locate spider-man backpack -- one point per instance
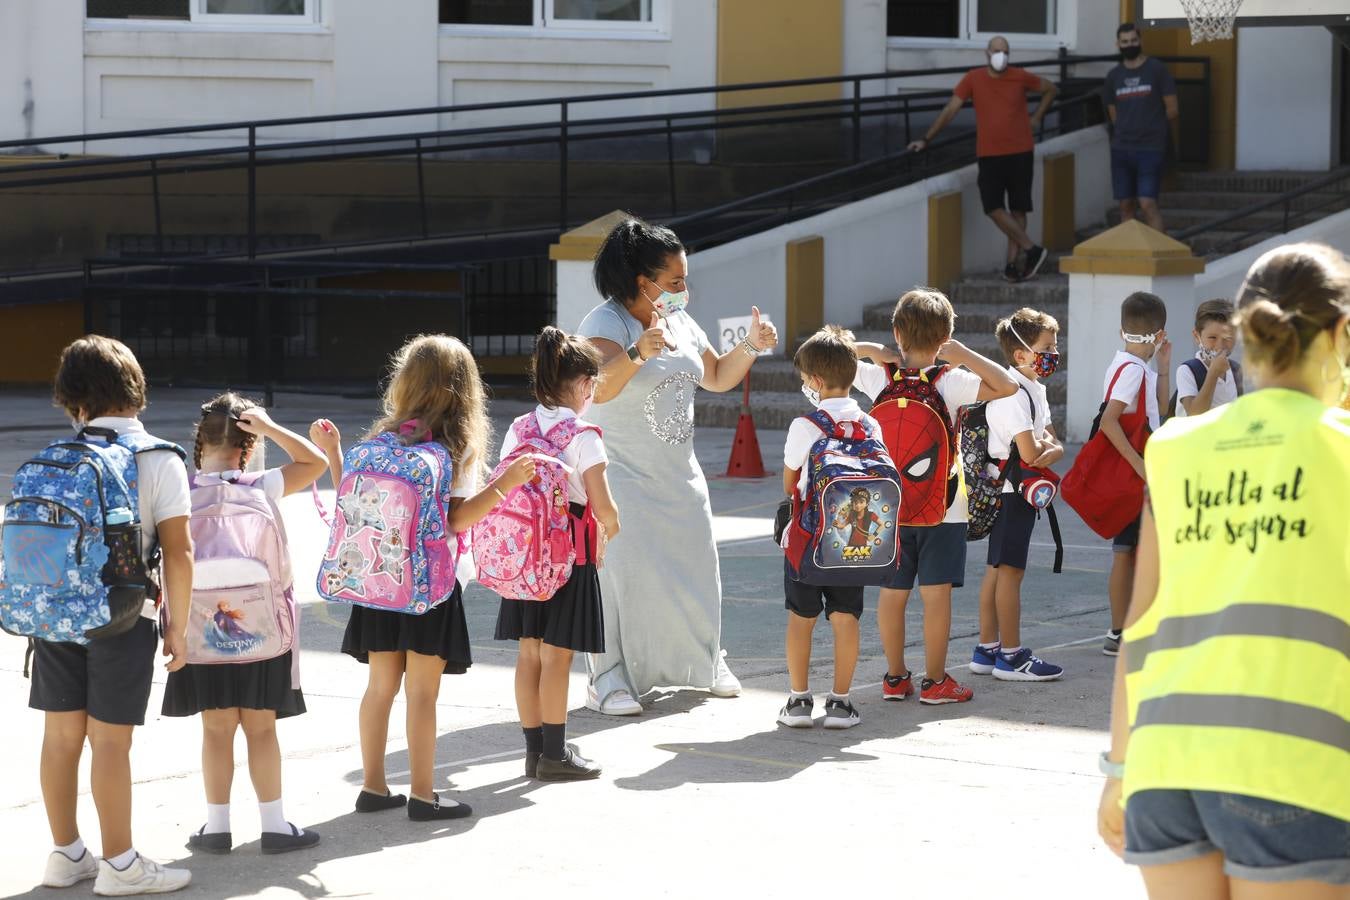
(844, 532)
(919, 435)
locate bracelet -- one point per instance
(1108, 768)
(748, 348)
(498, 491)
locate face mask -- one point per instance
(813, 396)
(667, 303)
(1206, 355)
(586, 404)
(1130, 53)
(1139, 338)
(1046, 362)
(998, 60)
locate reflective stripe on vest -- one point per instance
(1238, 675)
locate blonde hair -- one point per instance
(829, 355)
(924, 319)
(433, 378)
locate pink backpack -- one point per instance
(242, 608)
(524, 548)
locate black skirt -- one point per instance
(442, 631)
(256, 685)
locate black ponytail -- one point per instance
(559, 359)
(633, 248)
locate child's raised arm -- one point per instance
(325, 435)
(466, 512)
(307, 462)
(877, 353)
(997, 381)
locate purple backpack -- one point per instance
(390, 546)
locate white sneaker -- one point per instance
(616, 703)
(143, 876)
(725, 684)
(62, 871)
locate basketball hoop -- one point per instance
(1210, 20)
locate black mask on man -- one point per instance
(1129, 53)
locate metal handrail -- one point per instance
(1284, 199)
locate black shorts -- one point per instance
(1010, 538)
(931, 555)
(1127, 540)
(807, 600)
(109, 679)
(1011, 175)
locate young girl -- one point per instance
(564, 371)
(252, 695)
(435, 382)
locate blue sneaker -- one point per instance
(982, 661)
(1023, 666)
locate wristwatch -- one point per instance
(634, 355)
(1108, 768)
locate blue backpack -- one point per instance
(70, 544)
(846, 530)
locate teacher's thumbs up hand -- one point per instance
(762, 336)
(654, 339)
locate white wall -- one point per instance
(384, 57)
(41, 61)
(1286, 98)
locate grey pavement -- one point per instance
(698, 793)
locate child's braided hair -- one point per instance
(220, 429)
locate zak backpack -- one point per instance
(845, 531)
(918, 432)
(390, 546)
(524, 547)
(1199, 371)
(243, 608)
(70, 563)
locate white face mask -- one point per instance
(998, 60)
(1206, 355)
(811, 395)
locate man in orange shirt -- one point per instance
(1003, 147)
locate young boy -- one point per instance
(826, 363)
(934, 556)
(1029, 340)
(1143, 318)
(1214, 342)
(98, 692)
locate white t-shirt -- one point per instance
(584, 452)
(162, 489)
(958, 388)
(1127, 386)
(1010, 416)
(466, 479)
(803, 434)
(1225, 390)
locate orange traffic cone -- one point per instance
(746, 461)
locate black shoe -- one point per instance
(279, 842)
(220, 842)
(532, 760)
(367, 802)
(1036, 258)
(1011, 272)
(572, 767)
(421, 811)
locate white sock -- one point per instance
(1010, 652)
(121, 860)
(273, 819)
(217, 818)
(992, 645)
(796, 695)
(834, 696)
(74, 851)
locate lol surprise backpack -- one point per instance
(524, 548)
(846, 530)
(390, 546)
(70, 545)
(918, 433)
(243, 609)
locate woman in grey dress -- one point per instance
(660, 581)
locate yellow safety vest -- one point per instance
(1238, 675)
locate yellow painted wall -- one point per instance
(774, 40)
(35, 335)
(1223, 85)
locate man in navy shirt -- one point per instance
(1141, 99)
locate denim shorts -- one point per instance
(1261, 840)
(1136, 173)
(1128, 540)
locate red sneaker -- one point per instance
(945, 691)
(897, 687)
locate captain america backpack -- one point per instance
(845, 531)
(917, 430)
(390, 546)
(70, 546)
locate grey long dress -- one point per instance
(660, 583)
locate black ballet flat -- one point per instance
(280, 842)
(221, 842)
(421, 811)
(572, 767)
(532, 760)
(366, 802)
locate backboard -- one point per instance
(1262, 13)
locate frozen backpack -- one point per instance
(243, 609)
(390, 546)
(70, 545)
(918, 433)
(524, 548)
(846, 530)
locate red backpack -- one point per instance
(1101, 486)
(918, 433)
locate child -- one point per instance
(1221, 381)
(934, 556)
(248, 695)
(1143, 317)
(827, 364)
(1029, 342)
(435, 382)
(98, 692)
(565, 373)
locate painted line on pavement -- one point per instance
(1066, 644)
(734, 757)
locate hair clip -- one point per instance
(1138, 338)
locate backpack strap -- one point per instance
(1058, 539)
(822, 420)
(1198, 370)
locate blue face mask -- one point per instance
(667, 303)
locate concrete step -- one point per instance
(1245, 182)
(1181, 219)
(1230, 200)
